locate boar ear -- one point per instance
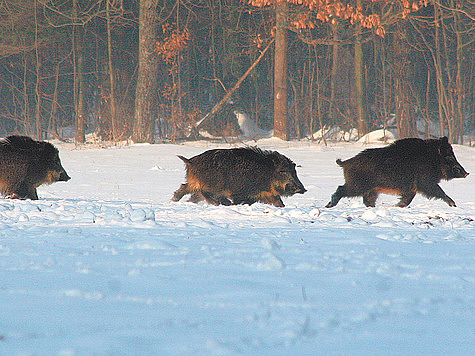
(444, 146)
(186, 160)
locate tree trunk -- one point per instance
(53, 126)
(438, 69)
(80, 122)
(113, 110)
(360, 114)
(450, 93)
(334, 72)
(426, 107)
(281, 127)
(458, 134)
(147, 73)
(78, 59)
(38, 79)
(26, 103)
(403, 73)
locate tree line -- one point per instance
(161, 70)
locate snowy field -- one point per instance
(106, 264)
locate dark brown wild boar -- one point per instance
(239, 176)
(406, 167)
(26, 164)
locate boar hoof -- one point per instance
(224, 201)
(333, 202)
(330, 205)
(278, 202)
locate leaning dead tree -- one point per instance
(236, 86)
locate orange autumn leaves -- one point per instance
(173, 44)
(330, 10)
(170, 49)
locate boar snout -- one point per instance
(459, 172)
(301, 190)
(294, 188)
(63, 176)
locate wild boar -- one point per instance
(239, 176)
(25, 164)
(406, 167)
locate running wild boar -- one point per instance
(406, 167)
(26, 164)
(239, 176)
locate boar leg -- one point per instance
(340, 193)
(435, 191)
(182, 191)
(273, 200)
(223, 200)
(238, 199)
(277, 201)
(32, 194)
(196, 198)
(248, 201)
(216, 199)
(369, 198)
(25, 192)
(406, 198)
(210, 198)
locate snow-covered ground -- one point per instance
(106, 264)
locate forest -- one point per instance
(165, 70)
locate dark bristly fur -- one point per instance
(406, 167)
(239, 176)
(25, 164)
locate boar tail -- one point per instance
(339, 162)
(186, 160)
